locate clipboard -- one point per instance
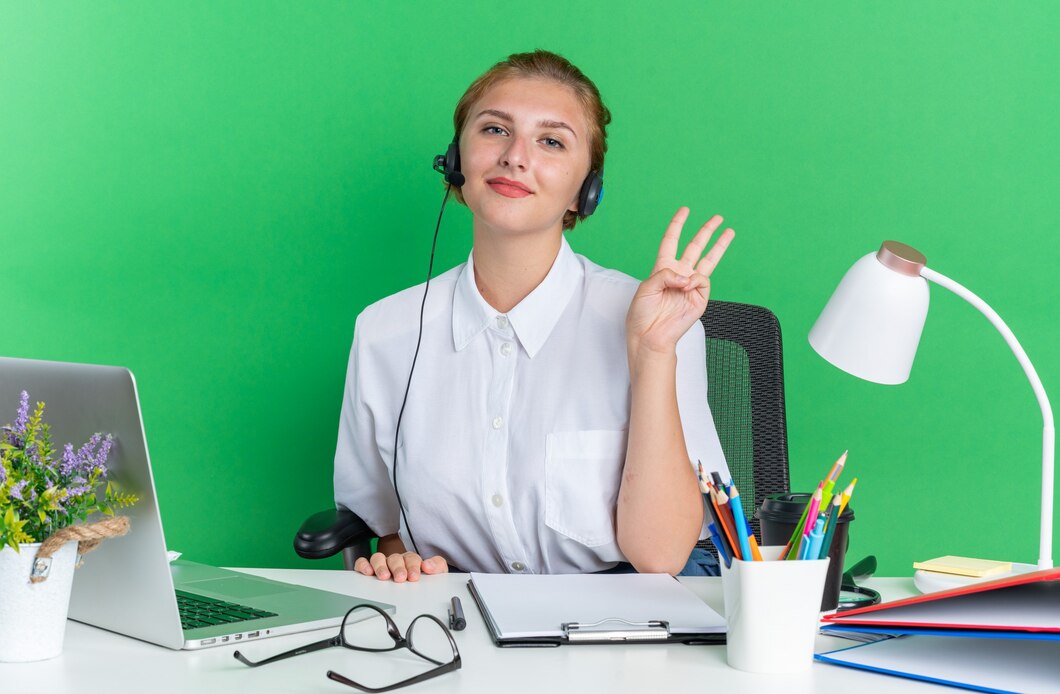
(553, 610)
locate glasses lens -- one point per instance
(367, 629)
(429, 639)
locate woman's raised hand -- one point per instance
(400, 567)
(675, 295)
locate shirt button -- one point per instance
(506, 349)
(518, 566)
(497, 500)
(498, 422)
(502, 322)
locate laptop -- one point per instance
(128, 585)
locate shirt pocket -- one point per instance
(583, 470)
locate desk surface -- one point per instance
(97, 660)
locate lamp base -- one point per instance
(933, 581)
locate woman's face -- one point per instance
(524, 153)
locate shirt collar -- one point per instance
(533, 318)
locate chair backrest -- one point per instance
(745, 373)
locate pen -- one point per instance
(719, 544)
(456, 615)
(815, 538)
(740, 521)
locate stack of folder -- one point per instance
(1001, 635)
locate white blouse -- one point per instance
(514, 436)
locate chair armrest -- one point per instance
(329, 532)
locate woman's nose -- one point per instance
(515, 154)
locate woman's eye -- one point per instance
(552, 142)
(494, 130)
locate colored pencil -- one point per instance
(796, 536)
(725, 514)
(833, 518)
(837, 468)
(715, 521)
(740, 521)
(847, 493)
(811, 514)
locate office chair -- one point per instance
(745, 374)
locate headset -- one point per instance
(448, 164)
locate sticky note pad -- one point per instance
(964, 566)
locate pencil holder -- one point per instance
(772, 608)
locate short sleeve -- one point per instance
(362, 479)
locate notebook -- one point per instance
(128, 585)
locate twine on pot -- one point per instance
(88, 538)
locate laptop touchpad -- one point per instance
(237, 587)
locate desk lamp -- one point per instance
(871, 328)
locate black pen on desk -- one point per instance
(456, 615)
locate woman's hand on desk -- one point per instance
(675, 295)
(400, 567)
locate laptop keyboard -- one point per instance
(201, 611)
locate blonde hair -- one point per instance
(550, 66)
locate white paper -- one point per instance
(524, 606)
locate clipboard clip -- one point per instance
(654, 630)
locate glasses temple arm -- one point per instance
(318, 646)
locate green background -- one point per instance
(210, 192)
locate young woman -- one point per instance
(556, 408)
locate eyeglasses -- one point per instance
(426, 637)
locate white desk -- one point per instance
(94, 660)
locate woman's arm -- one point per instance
(660, 511)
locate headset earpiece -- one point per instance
(448, 165)
(591, 194)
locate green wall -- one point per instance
(209, 193)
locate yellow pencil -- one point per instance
(847, 493)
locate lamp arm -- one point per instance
(1045, 550)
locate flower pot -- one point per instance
(33, 615)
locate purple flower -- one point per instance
(16, 491)
(85, 453)
(79, 490)
(23, 414)
(69, 461)
(100, 463)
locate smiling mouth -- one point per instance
(509, 189)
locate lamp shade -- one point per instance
(871, 326)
